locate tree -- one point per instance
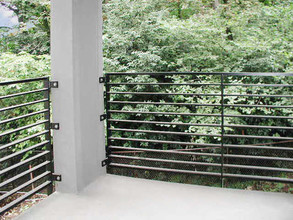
(33, 32)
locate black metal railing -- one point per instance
(204, 128)
(25, 141)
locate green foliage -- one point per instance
(14, 67)
(33, 32)
(238, 37)
(23, 66)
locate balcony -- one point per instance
(194, 136)
(201, 138)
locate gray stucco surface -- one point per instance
(116, 197)
(77, 64)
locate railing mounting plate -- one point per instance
(105, 162)
(55, 126)
(102, 79)
(57, 177)
(103, 117)
(54, 84)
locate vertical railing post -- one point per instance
(222, 130)
(107, 105)
(48, 137)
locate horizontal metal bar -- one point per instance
(22, 93)
(23, 128)
(200, 84)
(23, 116)
(258, 147)
(258, 116)
(259, 127)
(2, 184)
(160, 73)
(261, 178)
(23, 162)
(164, 84)
(205, 125)
(194, 114)
(258, 95)
(201, 94)
(24, 197)
(164, 151)
(158, 93)
(197, 104)
(202, 73)
(164, 123)
(24, 81)
(165, 169)
(164, 142)
(23, 140)
(164, 113)
(165, 161)
(201, 163)
(197, 134)
(3, 159)
(162, 103)
(23, 105)
(258, 157)
(164, 132)
(204, 154)
(258, 168)
(22, 186)
(258, 106)
(257, 137)
(258, 85)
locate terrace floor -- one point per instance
(116, 197)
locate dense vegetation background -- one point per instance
(163, 35)
(169, 35)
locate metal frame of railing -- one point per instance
(33, 173)
(218, 158)
(130, 156)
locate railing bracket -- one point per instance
(55, 126)
(54, 84)
(102, 79)
(57, 177)
(103, 117)
(105, 162)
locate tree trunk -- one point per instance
(216, 4)
(179, 9)
(229, 34)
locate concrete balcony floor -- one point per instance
(116, 197)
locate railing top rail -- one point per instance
(204, 73)
(23, 81)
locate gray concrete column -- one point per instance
(77, 63)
